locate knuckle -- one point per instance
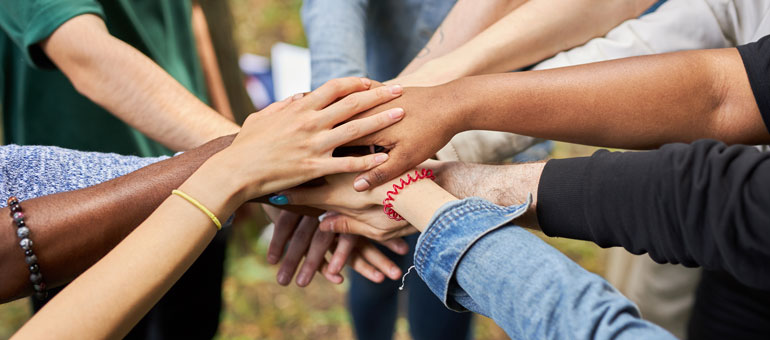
(380, 235)
(310, 264)
(382, 119)
(305, 125)
(351, 129)
(336, 85)
(383, 92)
(350, 103)
(344, 226)
(348, 165)
(301, 235)
(379, 175)
(310, 164)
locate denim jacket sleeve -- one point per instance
(336, 34)
(472, 256)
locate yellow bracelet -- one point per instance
(199, 206)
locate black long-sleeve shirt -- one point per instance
(703, 204)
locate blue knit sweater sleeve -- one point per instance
(33, 171)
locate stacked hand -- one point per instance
(361, 213)
(432, 121)
(291, 142)
(305, 239)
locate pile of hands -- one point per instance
(303, 131)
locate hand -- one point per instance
(291, 141)
(297, 231)
(432, 121)
(359, 212)
(371, 223)
(365, 258)
(306, 240)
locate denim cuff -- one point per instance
(452, 231)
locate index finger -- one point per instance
(332, 90)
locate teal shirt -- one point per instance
(39, 104)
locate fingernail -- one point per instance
(381, 158)
(396, 89)
(335, 266)
(279, 200)
(283, 279)
(297, 96)
(302, 280)
(366, 82)
(396, 113)
(394, 271)
(272, 259)
(361, 184)
(322, 217)
(331, 226)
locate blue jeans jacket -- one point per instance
(376, 39)
(473, 258)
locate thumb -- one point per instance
(398, 163)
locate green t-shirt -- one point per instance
(39, 104)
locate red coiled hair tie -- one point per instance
(388, 201)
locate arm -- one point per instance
(73, 229)
(336, 36)
(699, 205)
(466, 20)
(531, 32)
(150, 259)
(471, 256)
(674, 26)
(634, 103)
(637, 103)
(150, 100)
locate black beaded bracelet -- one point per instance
(22, 231)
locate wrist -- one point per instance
(216, 187)
(417, 201)
(435, 72)
(456, 104)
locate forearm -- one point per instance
(529, 288)
(165, 245)
(633, 103)
(131, 86)
(532, 32)
(466, 19)
(418, 201)
(700, 205)
(504, 185)
(74, 229)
